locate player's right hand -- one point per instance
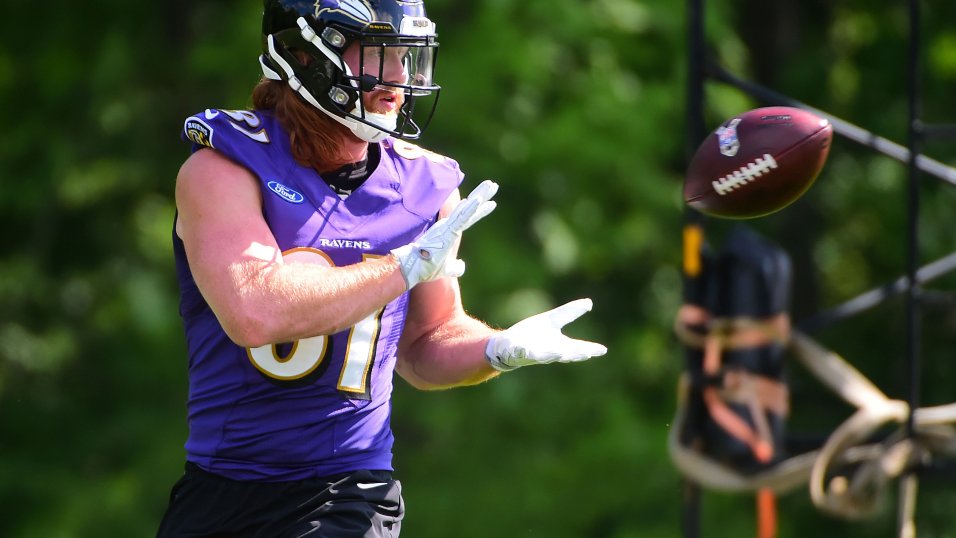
(539, 340)
(435, 254)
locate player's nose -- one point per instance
(394, 69)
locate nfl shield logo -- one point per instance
(727, 138)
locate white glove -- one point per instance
(538, 340)
(434, 254)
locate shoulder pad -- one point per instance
(201, 129)
(410, 151)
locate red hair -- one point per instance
(315, 138)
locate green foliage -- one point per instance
(577, 110)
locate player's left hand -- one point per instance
(435, 254)
(538, 340)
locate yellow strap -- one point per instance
(693, 239)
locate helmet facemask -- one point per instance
(393, 68)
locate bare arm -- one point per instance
(259, 298)
(442, 346)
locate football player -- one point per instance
(316, 252)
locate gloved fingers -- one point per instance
(568, 312)
(454, 268)
(484, 191)
(483, 210)
(582, 350)
(458, 219)
(471, 209)
(479, 200)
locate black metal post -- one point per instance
(690, 491)
(908, 483)
(912, 247)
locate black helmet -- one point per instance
(324, 30)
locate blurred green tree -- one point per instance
(577, 109)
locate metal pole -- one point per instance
(912, 247)
(690, 491)
(908, 483)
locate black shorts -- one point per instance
(363, 504)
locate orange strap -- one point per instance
(696, 329)
(760, 441)
(758, 393)
(766, 513)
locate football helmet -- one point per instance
(383, 30)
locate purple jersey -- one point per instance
(318, 406)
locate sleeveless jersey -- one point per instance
(318, 406)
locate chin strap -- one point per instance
(267, 71)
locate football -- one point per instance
(757, 163)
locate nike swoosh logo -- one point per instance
(210, 114)
(370, 485)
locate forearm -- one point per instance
(284, 302)
(451, 354)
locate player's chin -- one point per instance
(381, 111)
(387, 103)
